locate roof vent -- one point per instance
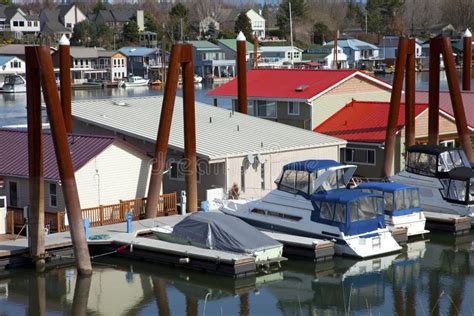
(120, 103)
(301, 87)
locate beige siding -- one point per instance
(273, 165)
(115, 174)
(302, 120)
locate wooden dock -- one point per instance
(455, 224)
(400, 234)
(315, 249)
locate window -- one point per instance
(267, 109)
(360, 156)
(388, 201)
(293, 108)
(29, 23)
(69, 25)
(53, 198)
(262, 176)
(242, 178)
(178, 170)
(448, 143)
(302, 182)
(21, 23)
(13, 194)
(399, 200)
(36, 23)
(15, 23)
(287, 182)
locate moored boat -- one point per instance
(444, 177)
(14, 84)
(222, 232)
(311, 200)
(401, 206)
(134, 81)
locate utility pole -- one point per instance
(291, 34)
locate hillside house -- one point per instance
(279, 56)
(10, 65)
(257, 22)
(140, 59)
(360, 54)
(210, 61)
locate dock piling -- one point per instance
(241, 73)
(433, 93)
(410, 95)
(35, 160)
(467, 61)
(65, 79)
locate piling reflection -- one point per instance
(429, 278)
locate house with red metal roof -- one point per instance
(303, 98)
(363, 124)
(107, 170)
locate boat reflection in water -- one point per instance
(428, 277)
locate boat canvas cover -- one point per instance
(222, 232)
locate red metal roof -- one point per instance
(14, 152)
(446, 106)
(363, 121)
(290, 83)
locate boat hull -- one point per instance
(414, 223)
(370, 244)
(13, 89)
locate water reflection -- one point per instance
(432, 277)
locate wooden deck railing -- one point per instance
(98, 216)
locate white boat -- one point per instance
(135, 81)
(311, 200)
(197, 79)
(14, 84)
(401, 204)
(221, 232)
(444, 177)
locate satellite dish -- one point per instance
(250, 158)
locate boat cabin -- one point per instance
(353, 211)
(399, 199)
(449, 165)
(309, 176)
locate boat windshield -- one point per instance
(365, 208)
(449, 160)
(13, 80)
(304, 182)
(456, 190)
(335, 180)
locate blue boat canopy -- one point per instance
(311, 165)
(384, 186)
(343, 196)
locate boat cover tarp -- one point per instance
(222, 232)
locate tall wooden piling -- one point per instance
(190, 165)
(241, 73)
(162, 139)
(433, 94)
(456, 98)
(63, 156)
(394, 106)
(255, 52)
(410, 95)
(35, 160)
(65, 79)
(467, 61)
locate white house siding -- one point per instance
(257, 22)
(119, 67)
(73, 16)
(115, 174)
(13, 66)
(19, 23)
(273, 165)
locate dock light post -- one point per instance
(181, 56)
(467, 61)
(65, 78)
(241, 73)
(35, 160)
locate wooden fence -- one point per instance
(98, 216)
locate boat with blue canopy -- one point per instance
(401, 205)
(311, 200)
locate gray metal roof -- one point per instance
(228, 135)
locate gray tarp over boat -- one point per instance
(222, 232)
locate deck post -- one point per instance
(456, 98)
(65, 78)
(467, 61)
(63, 157)
(35, 160)
(394, 106)
(162, 139)
(410, 95)
(433, 94)
(190, 165)
(241, 73)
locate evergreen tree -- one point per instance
(178, 22)
(242, 24)
(320, 33)
(151, 24)
(211, 33)
(266, 12)
(99, 7)
(130, 32)
(283, 14)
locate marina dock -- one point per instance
(138, 245)
(458, 225)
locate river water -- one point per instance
(433, 277)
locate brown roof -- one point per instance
(14, 152)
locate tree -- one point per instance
(130, 32)
(283, 14)
(99, 7)
(211, 33)
(88, 33)
(151, 24)
(83, 33)
(383, 16)
(178, 22)
(8, 3)
(320, 33)
(266, 12)
(242, 24)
